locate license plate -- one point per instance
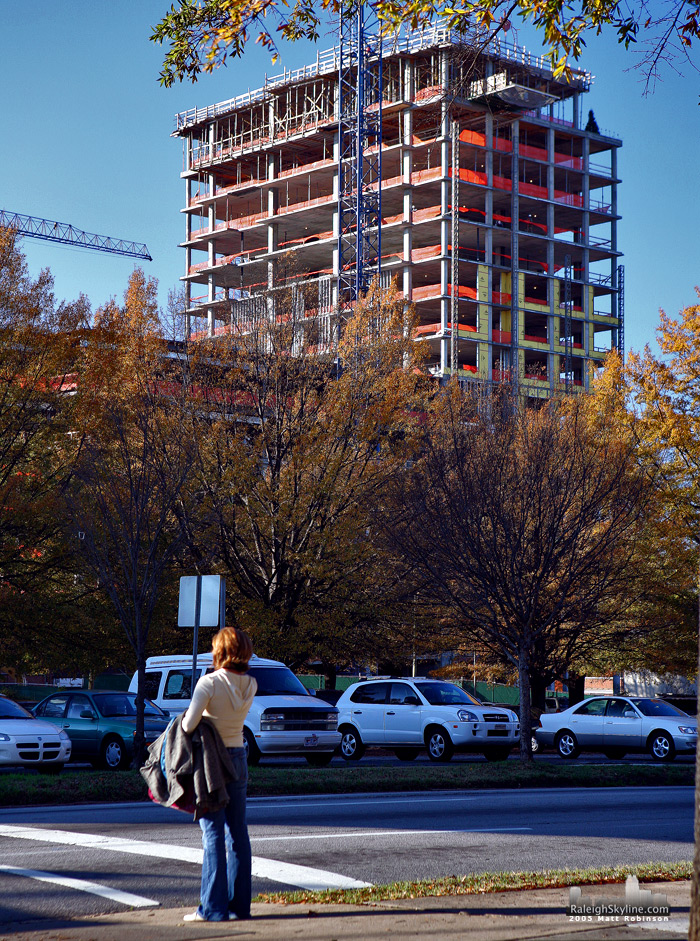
(310, 741)
(501, 725)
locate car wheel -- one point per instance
(321, 760)
(439, 743)
(661, 747)
(496, 754)
(51, 767)
(252, 752)
(613, 753)
(351, 746)
(113, 753)
(567, 745)
(406, 754)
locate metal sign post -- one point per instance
(202, 603)
(195, 638)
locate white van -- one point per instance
(285, 719)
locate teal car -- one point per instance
(101, 724)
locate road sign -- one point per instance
(202, 603)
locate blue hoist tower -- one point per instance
(359, 151)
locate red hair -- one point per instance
(232, 649)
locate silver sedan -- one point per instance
(29, 742)
(617, 725)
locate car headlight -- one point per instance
(465, 716)
(688, 729)
(4, 738)
(272, 722)
(63, 735)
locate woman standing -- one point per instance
(224, 697)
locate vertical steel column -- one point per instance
(621, 310)
(454, 287)
(568, 339)
(515, 258)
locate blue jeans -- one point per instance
(226, 880)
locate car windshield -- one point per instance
(446, 694)
(112, 705)
(276, 681)
(657, 707)
(12, 710)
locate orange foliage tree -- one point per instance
(130, 462)
(666, 390)
(298, 441)
(38, 347)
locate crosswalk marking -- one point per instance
(303, 877)
(83, 885)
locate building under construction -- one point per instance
(497, 203)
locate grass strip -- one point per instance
(86, 787)
(484, 883)
(355, 778)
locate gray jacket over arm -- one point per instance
(182, 769)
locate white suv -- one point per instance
(409, 713)
(285, 719)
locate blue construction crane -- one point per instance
(360, 150)
(64, 232)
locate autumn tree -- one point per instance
(523, 521)
(203, 34)
(130, 462)
(298, 438)
(666, 390)
(38, 344)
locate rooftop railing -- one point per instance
(408, 42)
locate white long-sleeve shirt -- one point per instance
(224, 697)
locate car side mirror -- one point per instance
(311, 692)
(87, 714)
(411, 701)
(628, 714)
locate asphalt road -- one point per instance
(99, 858)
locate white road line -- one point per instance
(82, 885)
(97, 841)
(304, 877)
(364, 834)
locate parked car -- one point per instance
(101, 724)
(285, 719)
(28, 742)
(410, 713)
(617, 725)
(327, 695)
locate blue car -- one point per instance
(101, 724)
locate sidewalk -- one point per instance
(501, 916)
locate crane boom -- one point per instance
(64, 232)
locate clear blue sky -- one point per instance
(86, 139)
